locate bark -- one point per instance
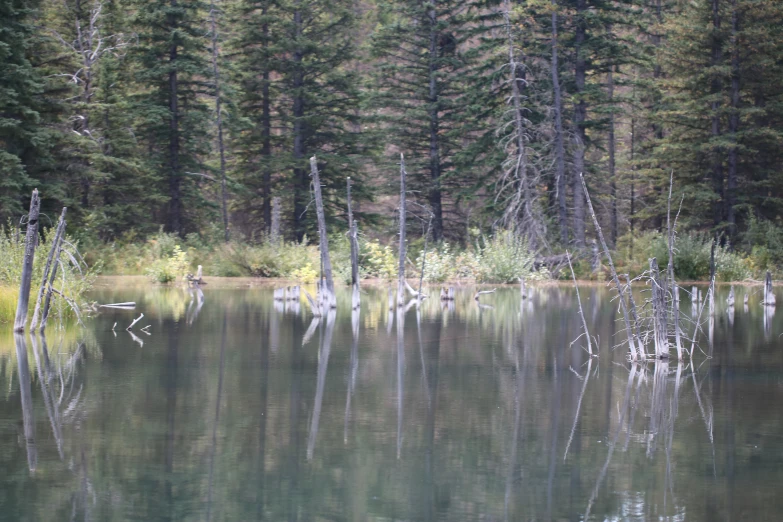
(30, 242)
(435, 194)
(274, 233)
(219, 116)
(580, 117)
(323, 239)
(175, 196)
(731, 181)
(560, 175)
(54, 257)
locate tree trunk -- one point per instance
(612, 161)
(219, 116)
(435, 195)
(54, 257)
(175, 196)
(734, 120)
(560, 175)
(717, 159)
(30, 242)
(403, 212)
(322, 237)
(266, 134)
(301, 183)
(580, 116)
(352, 237)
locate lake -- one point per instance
(232, 407)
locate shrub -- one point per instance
(170, 268)
(379, 261)
(440, 265)
(503, 259)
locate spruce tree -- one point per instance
(20, 84)
(171, 79)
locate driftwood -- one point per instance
(314, 306)
(483, 292)
(730, 299)
(54, 257)
(403, 215)
(279, 294)
(391, 299)
(582, 316)
(328, 292)
(415, 293)
(523, 287)
(31, 241)
(292, 293)
(130, 305)
(139, 318)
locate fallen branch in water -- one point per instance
(483, 292)
(130, 326)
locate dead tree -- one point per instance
(354, 241)
(635, 345)
(31, 241)
(328, 291)
(769, 295)
(659, 310)
(518, 177)
(586, 332)
(51, 263)
(403, 215)
(675, 291)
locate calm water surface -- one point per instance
(238, 409)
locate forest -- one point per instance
(180, 132)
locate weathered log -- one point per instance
(322, 236)
(31, 241)
(582, 316)
(730, 298)
(59, 233)
(130, 326)
(769, 294)
(483, 292)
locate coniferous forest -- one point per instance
(198, 118)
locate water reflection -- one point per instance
(237, 409)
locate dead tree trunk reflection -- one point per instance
(353, 370)
(216, 422)
(323, 362)
(25, 390)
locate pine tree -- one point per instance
(173, 118)
(20, 84)
(293, 58)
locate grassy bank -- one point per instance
(501, 259)
(74, 277)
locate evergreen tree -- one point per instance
(173, 118)
(20, 84)
(294, 59)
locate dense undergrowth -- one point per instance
(499, 259)
(165, 258)
(74, 276)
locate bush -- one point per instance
(379, 261)
(170, 268)
(503, 259)
(440, 265)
